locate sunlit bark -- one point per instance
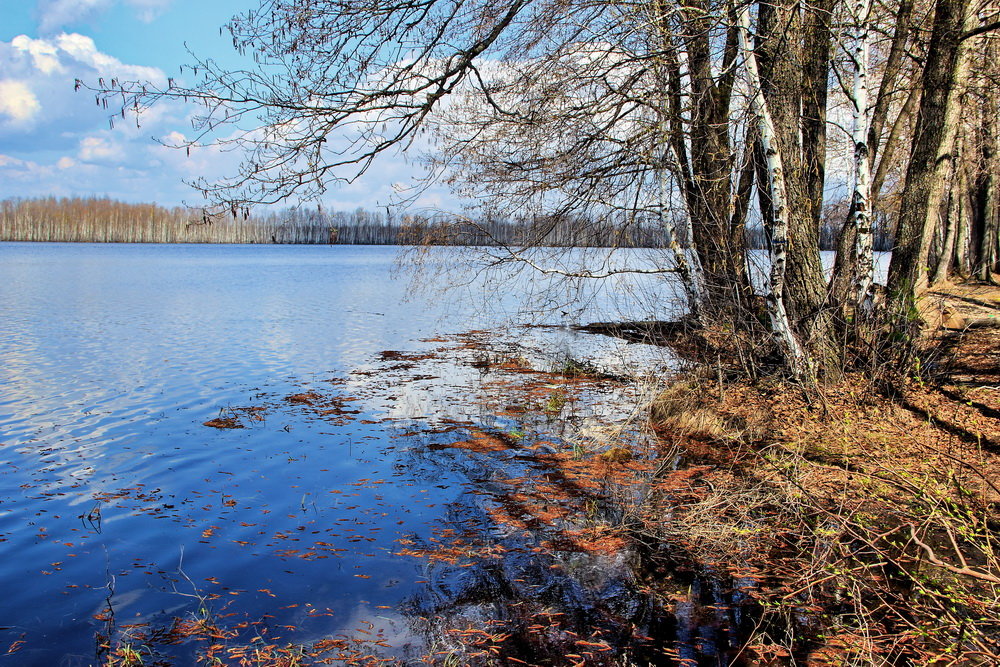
(930, 161)
(780, 325)
(861, 218)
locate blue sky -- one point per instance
(54, 141)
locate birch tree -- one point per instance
(861, 218)
(780, 325)
(616, 114)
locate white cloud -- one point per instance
(22, 172)
(148, 10)
(17, 101)
(57, 14)
(174, 138)
(101, 150)
(7, 161)
(44, 55)
(38, 104)
(57, 141)
(192, 162)
(83, 50)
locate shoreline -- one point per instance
(860, 525)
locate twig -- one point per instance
(932, 557)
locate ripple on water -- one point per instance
(111, 360)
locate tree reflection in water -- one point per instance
(536, 561)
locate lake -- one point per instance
(215, 452)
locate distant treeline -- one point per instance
(106, 220)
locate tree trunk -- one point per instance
(780, 325)
(942, 271)
(931, 157)
(891, 143)
(796, 44)
(890, 75)
(708, 151)
(985, 195)
(960, 193)
(861, 218)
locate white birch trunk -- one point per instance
(688, 266)
(861, 202)
(781, 328)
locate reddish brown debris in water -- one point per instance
(224, 422)
(481, 441)
(395, 355)
(307, 398)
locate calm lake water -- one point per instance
(128, 524)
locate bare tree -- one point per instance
(611, 113)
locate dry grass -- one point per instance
(870, 522)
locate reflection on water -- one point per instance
(396, 487)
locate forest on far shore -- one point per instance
(104, 220)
